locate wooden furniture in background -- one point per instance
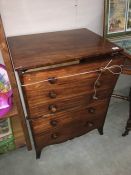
(16, 114)
(127, 71)
(112, 30)
(59, 74)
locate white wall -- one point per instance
(34, 16)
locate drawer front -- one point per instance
(60, 94)
(83, 85)
(67, 104)
(75, 129)
(49, 84)
(92, 112)
(40, 76)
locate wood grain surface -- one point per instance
(31, 51)
(60, 100)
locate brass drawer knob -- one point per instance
(52, 108)
(52, 94)
(52, 80)
(98, 84)
(53, 122)
(54, 136)
(91, 110)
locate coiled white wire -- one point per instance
(107, 67)
(110, 69)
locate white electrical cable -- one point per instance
(109, 68)
(83, 73)
(66, 76)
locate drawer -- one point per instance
(83, 85)
(96, 111)
(45, 76)
(67, 104)
(50, 86)
(65, 93)
(75, 129)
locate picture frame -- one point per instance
(117, 18)
(128, 26)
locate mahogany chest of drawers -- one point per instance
(67, 79)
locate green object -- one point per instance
(7, 144)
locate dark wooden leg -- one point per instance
(128, 125)
(126, 132)
(38, 154)
(100, 130)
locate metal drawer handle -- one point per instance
(52, 80)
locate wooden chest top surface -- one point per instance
(37, 50)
